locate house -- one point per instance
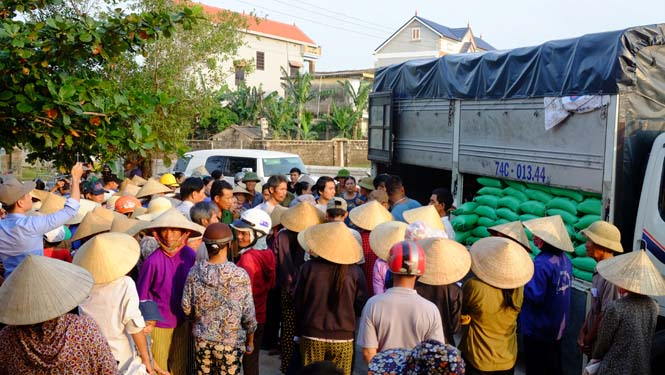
(328, 82)
(269, 46)
(420, 38)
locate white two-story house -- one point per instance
(270, 46)
(420, 38)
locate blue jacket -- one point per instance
(546, 307)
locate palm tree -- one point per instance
(359, 101)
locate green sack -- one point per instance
(566, 216)
(538, 195)
(461, 236)
(487, 190)
(527, 217)
(571, 231)
(491, 182)
(580, 250)
(533, 207)
(572, 194)
(471, 240)
(590, 206)
(562, 204)
(501, 220)
(466, 208)
(487, 200)
(512, 192)
(507, 213)
(486, 222)
(585, 221)
(480, 232)
(584, 275)
(464, 222)
(509, 202)
(544, 188)
(486, 211)
(585, 263)
(515, 184)
(534, 249)
(580, 237)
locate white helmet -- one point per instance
(255, 219)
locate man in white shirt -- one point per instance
(192, 191)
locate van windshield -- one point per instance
(282, 166)
(181, 164)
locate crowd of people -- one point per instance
(195, 275)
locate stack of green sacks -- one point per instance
(503, 201)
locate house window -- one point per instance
(240, 75)
(415, 33)
(294, 67)
(260, 60)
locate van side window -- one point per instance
(229, 165)
(661, 194)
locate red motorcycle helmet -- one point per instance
(406, 258)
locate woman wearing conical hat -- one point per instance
(330, 292)
(493, 299)
(41, 336)
(623, 345)
(603, 242)
(546, 308)
(114, 302)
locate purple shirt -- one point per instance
(162, 279)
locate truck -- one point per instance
(586, 114)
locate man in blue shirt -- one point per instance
(546, 308)
(20, 234)
(399, 202)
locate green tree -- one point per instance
(186, 70)
(280, 115)
(247, 103)
(343, 118)
(359, 102)
(56, 99)
(298, 91)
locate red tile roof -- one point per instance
(267, 27)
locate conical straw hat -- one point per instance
(385, 235)
(53, 203)
(138, 180)
(426, 214)
(446, 261)
(110, 204)
(367, 216)
(301, 216)
(152, 187)
(551, 230)
(42, 195)
(634, 272)
(156, 207)
(501, 262)
(276, 215)
(237, 189)
(604, 234)
(174, 219)
(95, 222)
(124, 184)
(201, 170)
(108, 256)
(42, 289)
(331, 241)
(513, 230)
(84, 207)
(123, 224)
(130, 189)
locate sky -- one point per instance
(349, 31)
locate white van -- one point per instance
(231, 161)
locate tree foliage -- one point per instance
(298, 91)
(56, 95)
(359, 101)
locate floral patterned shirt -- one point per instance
(67, 345)
(219, 299)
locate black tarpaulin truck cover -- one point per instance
(601, 63)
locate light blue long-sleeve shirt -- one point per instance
(21, 235)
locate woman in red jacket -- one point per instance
(260, 263)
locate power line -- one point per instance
(363, 24)
(364, 21)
